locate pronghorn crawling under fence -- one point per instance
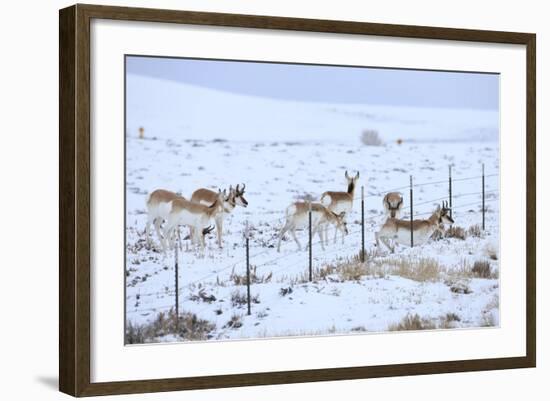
(341, 202)
(393, 203)
(208, 197)
(194, 215)
(297, 216)
(400, 230)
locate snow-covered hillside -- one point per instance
(168, 109)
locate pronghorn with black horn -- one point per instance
(297, 216)
(399, 231)
(159, 204)
(393, 203)
(341, 202)
(208, 197)
(194, 215)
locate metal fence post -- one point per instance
(411, 211)
(450, 191)
(310, 250)
(176, 273)
(247, 267)
(362, 224)
(483, 197)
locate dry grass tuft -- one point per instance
(234, 323)
(187, 327)
(255, 278)
(455, 232)
(352, 269)
(420, 269)
(482, 269)
(239, 298)
(475, 231)
(412, 322)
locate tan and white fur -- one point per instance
(393, 203)
(159, 204)
(297, 216)
(194, 215)
(341, 202)
(399, 231)
(235, 198)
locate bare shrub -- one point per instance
(359, 328)
(234, 323)
(449, 321)
(455, 232)
(239, 299)
(135, 334)
(285, 291)
(482, 269)
(370, 137)
(412, 322)
(475, 231)
(187, 326)
(255, 278)
(459, 286)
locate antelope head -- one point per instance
(239, 196)
(443, 214)
(341, 224)
(351, 181)
(393, 202)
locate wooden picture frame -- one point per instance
(75, 208)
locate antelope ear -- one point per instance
(357, 175)
(438, 208)
(231, 188)
(347, 176)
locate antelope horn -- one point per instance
(347, 176)
(207, 230)
(244, 186)
(357, 175)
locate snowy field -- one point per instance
(436, 282)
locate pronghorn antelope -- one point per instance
(159, 204)
(400, 230)
(341, 202)
(192, 214)
(393, 203)
(297, 217)
(208, 197)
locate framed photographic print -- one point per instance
(348, 200)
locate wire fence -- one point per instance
(485, 197)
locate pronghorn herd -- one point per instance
(167, 211)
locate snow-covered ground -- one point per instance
(280, 169)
